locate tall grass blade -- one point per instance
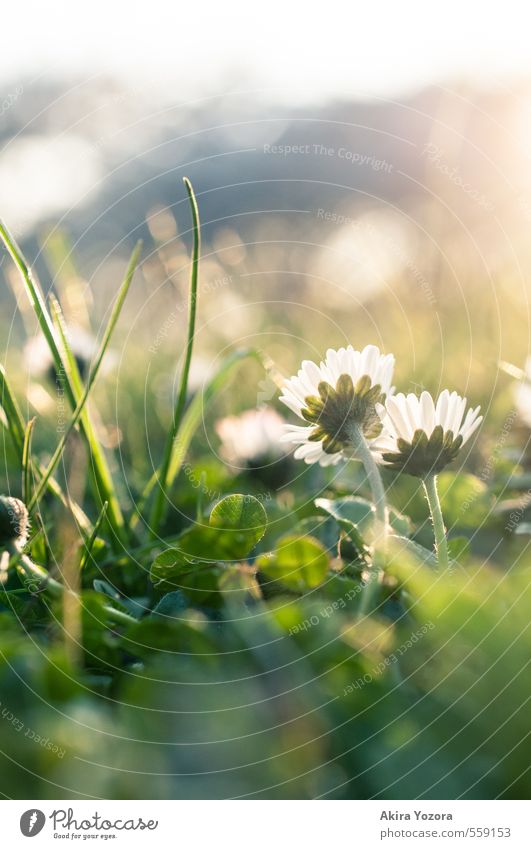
(15, 422)
(191, 421)
(103, 479)
(27, 470)
(89, 545)
(35, 295)
(100, 469)
(17, 428)
(80, 406)
(159, 503)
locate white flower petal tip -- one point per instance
(332, 397)
(420, 435)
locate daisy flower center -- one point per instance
(337, 410)
(425, 454)
(421, 436)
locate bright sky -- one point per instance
(325, 48)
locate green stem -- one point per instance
(38, 578)
(41, 580)
(119, 616)
(439, 531)
(159, 504)
(363, 452)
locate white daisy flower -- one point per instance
(336, 397)
(420, 436)
(252, 436)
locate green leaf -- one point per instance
(188, 569)
(193, 549)
(399, 523)
(171, 605)
(97, 618)
(300, 563)
(236, 524)
(323, 528)
(412, 548)
(102, 586)
(244, 520)
(356, 516)
(133, 607)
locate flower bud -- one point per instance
(14, 521)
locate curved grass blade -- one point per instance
(17, 428)
(159, 503)
(36, 297)
(83, 521)
(27, 470)
(100, 469)
(80, 406)
(89, 545)
(15, 422)
(58, 253)
(194, 414)
(191, 421)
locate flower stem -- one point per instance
(39, 579)
(439, 531)
(372, 471)
(363, 452)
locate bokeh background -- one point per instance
(363, 175)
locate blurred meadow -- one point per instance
(242, 666)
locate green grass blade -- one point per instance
(15, 422)
(99, 467)
(190, 422)
(159, 503)
(80, 407)
(103, 478)
(194, 414)
(17, 428)
(58, 253)
(35, 295)
(68, 356)
(89, 545)
(83, 521)
(192, 306)
(27, 471)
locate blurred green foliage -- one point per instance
(227, 657)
